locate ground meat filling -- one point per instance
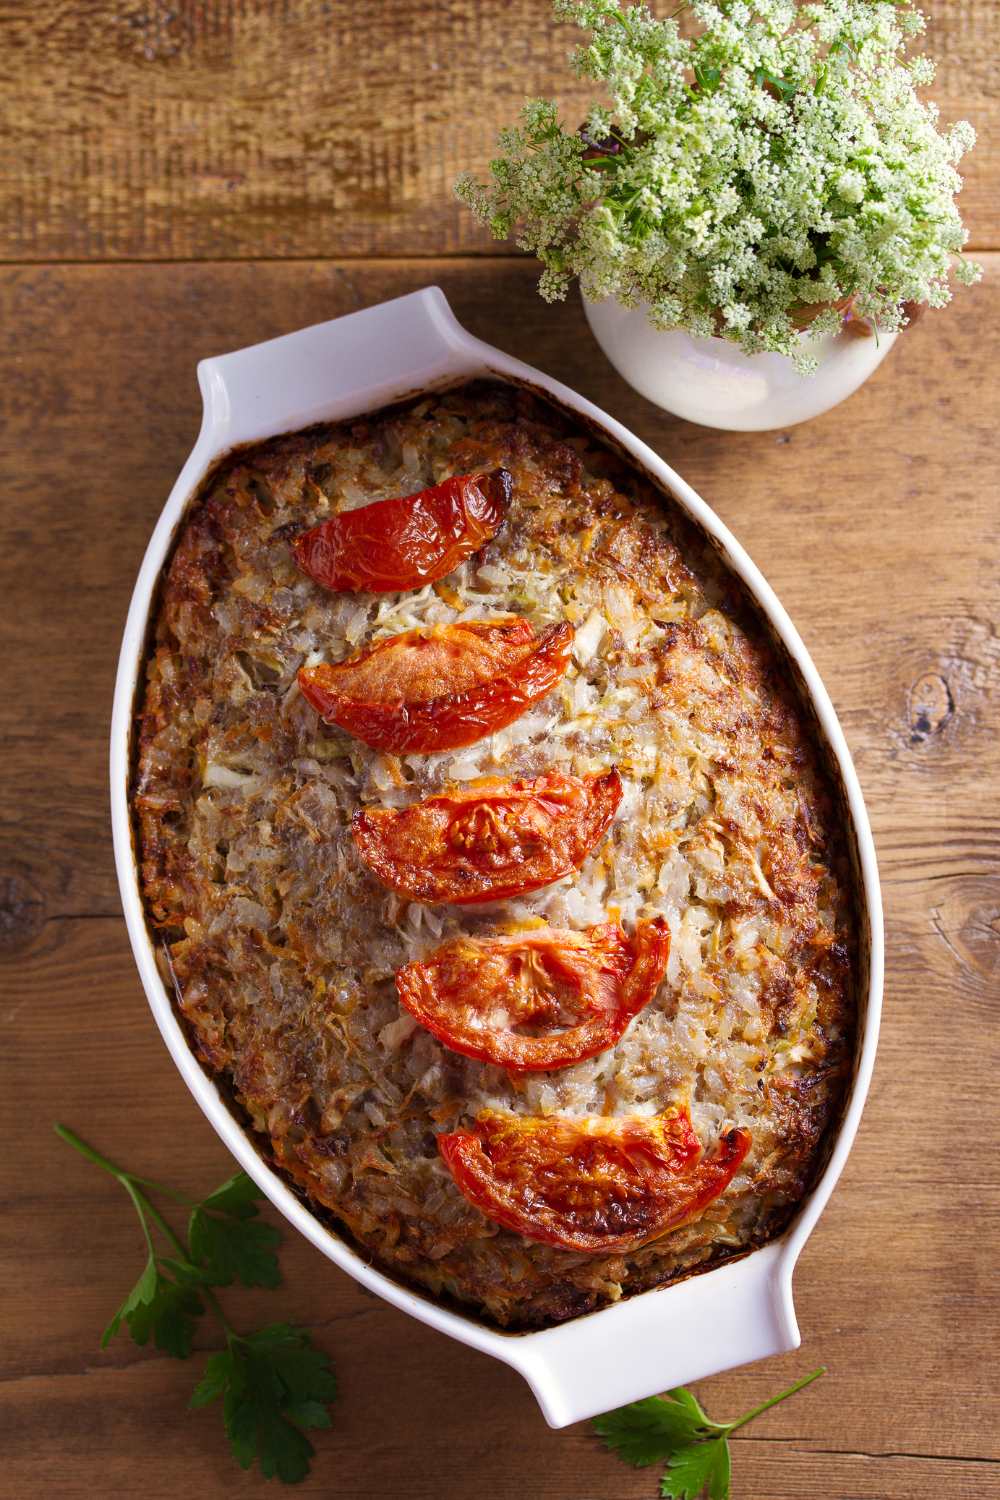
(283, 947)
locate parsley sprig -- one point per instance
(675, 1430)
(273, 1382)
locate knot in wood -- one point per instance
(930, 707)
(159, 30)
(967, 920)
(22, 912)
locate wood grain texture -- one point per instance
(878, 525)
(176, 129)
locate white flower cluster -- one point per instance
(748, 180)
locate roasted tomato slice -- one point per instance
(407, 542)
(590, 1184)
(492, 839)
(537, 1000)
(440, 688)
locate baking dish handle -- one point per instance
(333, 370)
(730, 1316)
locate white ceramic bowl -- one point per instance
(712, 382)
(658, 1339)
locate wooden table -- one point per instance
(181, 179)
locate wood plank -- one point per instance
(899, 1382)
(878, 526)
(86, 348)
(317, 127)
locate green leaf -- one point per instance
(273, 1384)
(308, 1413)
(234, 1249)
(784, 86)
(141, 1295)
(281, 1449)
(303, 1370)
(676, 1429)
(214, 1381)
(170, 1319)
(236, 1198)
(648, 1432)
(693, 1468)
(689, 1402)
(161, 1307)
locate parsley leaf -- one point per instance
(237, 1197)
(234, 1249)
(226, 1245)
(690, 1403)
(161, 1307)
(273, 1384)
(648, 1432)
(675, 1430)
(691, 1469)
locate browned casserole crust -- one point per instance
(282, 947)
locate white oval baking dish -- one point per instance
(661, 1338)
